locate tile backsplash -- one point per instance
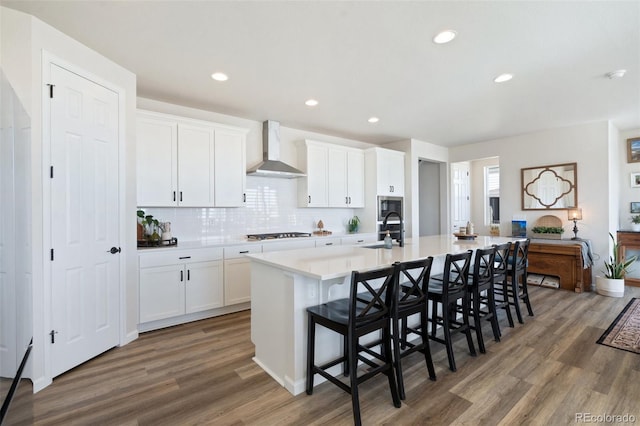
(272, 206)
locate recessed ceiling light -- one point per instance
(219, 76)
(503, 77)
(444, 37)
(311, 102)
(616, 74)
(373, 120)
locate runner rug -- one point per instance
(624, 333)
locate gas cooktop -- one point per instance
(277, 235)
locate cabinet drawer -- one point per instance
(288, 245)
(174, 257)
(236, 252)
(335, 241)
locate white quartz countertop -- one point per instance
(331, 262)
(235, 241)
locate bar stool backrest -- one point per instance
(501, 265)
(484, 266)
(520, 253)
(377, 304)
(456, 272)
(413, 282)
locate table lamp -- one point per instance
(574, 214)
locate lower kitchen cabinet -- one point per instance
(237, 273)
(180, 282)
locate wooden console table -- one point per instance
(629, 240)
(562, 260)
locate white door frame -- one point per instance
(47, 60)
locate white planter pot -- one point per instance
(610, 287)
(635, 227)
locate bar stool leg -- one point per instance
(311, 346)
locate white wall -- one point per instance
(24, 39)
(587, 145)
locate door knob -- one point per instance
(115, 250)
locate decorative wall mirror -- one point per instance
(552, 187)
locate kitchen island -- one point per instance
(284, 284)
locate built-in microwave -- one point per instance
(389, 204)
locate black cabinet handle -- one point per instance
(174, 195)
(115, 250)
(243, 252)
(309, 199)
(328, 244)
(185, 257)
(244, 198)
(181, 276)
(180, 196)
(188, 274)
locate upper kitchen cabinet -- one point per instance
(386, 166)
(346, 177)
(335, 175)
(189, 163)
(313, 159)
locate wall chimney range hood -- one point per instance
(271, 166)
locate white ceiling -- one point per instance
(362, 59)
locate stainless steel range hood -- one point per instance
(271, 165)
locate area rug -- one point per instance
(624, 333)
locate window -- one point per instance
(492, 194)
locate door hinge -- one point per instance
(51, 172)
(51, 86)
(52, 254)
(53, 333)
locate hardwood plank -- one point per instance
(541, 372)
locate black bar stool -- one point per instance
(501, 284)
(353, 318)
(446, 289)
(482, 294)
(518, 276)
(412, 299)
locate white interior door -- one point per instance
(84, 220)
(460, 199)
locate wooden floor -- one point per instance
(543, 373)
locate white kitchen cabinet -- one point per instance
(157, 162)
(388, 166)
(313, 159)
(328, 241)
(189, 163)
(335, 175)
(345, 177)
(359, 239)
(230, 171)
(179, 282)
(237, 273)
(195, 166)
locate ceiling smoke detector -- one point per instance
(616, 74)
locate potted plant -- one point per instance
(612, 284)
(548, 232)
(635, 223)
(354, 222)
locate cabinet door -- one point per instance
(203, 286)
(237, 281)
(390, 168)
(195, 165)
(337, 178)
(355, 178)
(156, 159)
(317, 158)
(230, 169)
(161, 292)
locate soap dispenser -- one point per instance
(388, 242)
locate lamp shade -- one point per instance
(574, 213)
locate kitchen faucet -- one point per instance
(401, 236)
